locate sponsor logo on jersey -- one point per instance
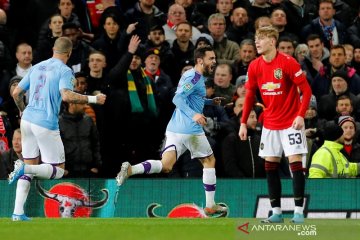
(271, 86)
(278, 73)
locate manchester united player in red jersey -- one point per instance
(279, 79)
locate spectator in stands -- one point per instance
(331, 31)
(8, 157)
(146, 14)
(45, 43)
(223, 86)
(162, 87)
(240, 27)
(9, 106)
(344, 13)
(317, 57)
(205, 40)
(5, 43)
(339, 86)
(321, 84)
(96, 80)
(356, 59)
(299, 13)
(66, 10)
(349, 52)
(81, 50)
(112, 42)
(262, 22)
(131, 112)
(278, 19)
(241, 158)
(247, 54)
(286, 45)
(24, 59)
(226, 50)
(301, 51)
(80, 86)
(182, 48)
(176, 15)
(312, 126)
(328, 161)
(81, 142)
(354, 31)
(156, 39)
(258, 9)
(225, 7)
(345, 106)
(351, 146)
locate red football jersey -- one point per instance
(278, 83)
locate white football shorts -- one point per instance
(290, 141)
(198, 145)
(35, 138)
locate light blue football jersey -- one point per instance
(44, 82)
(189, 99)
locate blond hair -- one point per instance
(63, 45)
(268, 31)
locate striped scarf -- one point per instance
(134, 96)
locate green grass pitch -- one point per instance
(174, 229)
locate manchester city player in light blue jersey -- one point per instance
(185, 130)
(48, 82)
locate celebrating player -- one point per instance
(185, 131)
(278, 77)
(48, 83)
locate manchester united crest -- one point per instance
(278, 73)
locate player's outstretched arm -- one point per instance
(73, 97)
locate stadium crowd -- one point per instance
(140, 82)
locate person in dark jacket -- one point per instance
(325, 26)
(146, 14)
(321, 84)
(8, 157)
(351, 148)
(240, 158)
(131, 112)
(81, 142)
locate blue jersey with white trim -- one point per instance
(44, 82)
(189, 99)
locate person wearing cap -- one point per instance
(156, 39)
(162, 86)
(204, 40)
(351, 146)
(340, 86)
(328, 161)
